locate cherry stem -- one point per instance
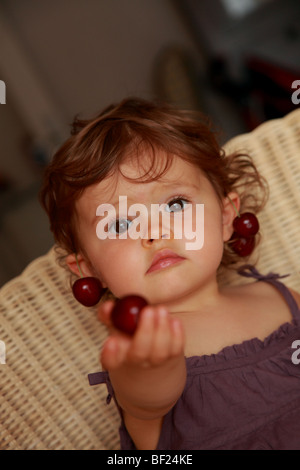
(233, 205)
(80, 272)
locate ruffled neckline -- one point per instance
(249, 350)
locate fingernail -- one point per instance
(148, 312)
(163, 312)
(176, 324)
(111, 345)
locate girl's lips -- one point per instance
(164, 259)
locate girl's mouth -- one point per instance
(163, 259)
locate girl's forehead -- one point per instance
(163, 167)
(135, 177)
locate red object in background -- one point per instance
(274, 75)
(264, 93)
(270, 91)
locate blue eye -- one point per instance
(119, 226)
(176, 205)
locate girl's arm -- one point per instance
(147, 371)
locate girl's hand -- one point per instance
(158, 338)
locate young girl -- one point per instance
(209, 366)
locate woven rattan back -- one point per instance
(52, 343)
(275, 148)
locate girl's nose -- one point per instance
(149, 241)
(157, 232)
(165, 235)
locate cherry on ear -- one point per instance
(88, 291)
(241, 245)
(126, 311)
(246, 225)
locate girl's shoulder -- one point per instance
(271, 285)
(268, 302)
(296, 296)
(251, 310)
(268, 291)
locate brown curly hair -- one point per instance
(97, 146)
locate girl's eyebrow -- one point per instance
(181, 187)
(169, 185)
(184, 185)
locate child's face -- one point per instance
(123, 264)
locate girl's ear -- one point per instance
(231, 207)
(80, 267)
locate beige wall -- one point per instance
(77, 56)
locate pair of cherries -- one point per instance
(245, 228)
(88, 291)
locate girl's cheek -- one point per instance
(114, 256)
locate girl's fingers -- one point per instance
(114, 352)
(109, 354)
(104, 312)
(158, 338)
(162, 338)
(142, 340)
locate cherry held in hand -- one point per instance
(126, 311)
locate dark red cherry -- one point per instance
(246, 225)
(88, 291)
(126, 312)
(241, 245)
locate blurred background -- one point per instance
(236, 60)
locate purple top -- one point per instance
(246, 397)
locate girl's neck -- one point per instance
(208, 297)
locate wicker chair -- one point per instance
(52, 343)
